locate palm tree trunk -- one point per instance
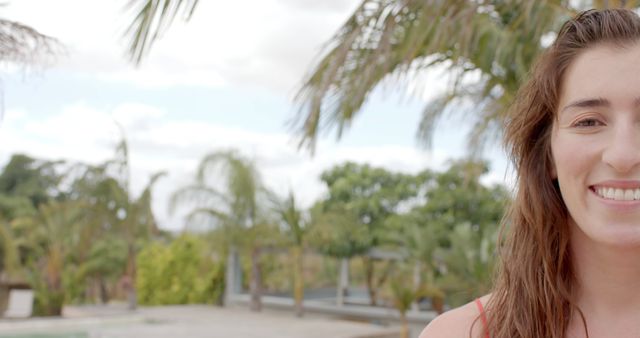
(417, 280)
(254, 284)
(298, 279)
(404, 329)
(55, 292)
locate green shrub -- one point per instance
(181, 273)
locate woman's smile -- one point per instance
(617, 190)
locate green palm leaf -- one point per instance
(152, 18)
(488, 47)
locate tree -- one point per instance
(402, 294)
(226, 194)
(419, 242)
(135, 217)
(289, 214)
(116, 212)
(28, 180)
(369, 196)
(487, 46)
(49, 237)
(10, 264)
(25, 184)
(338, 233)
(106, 258)
(453, 233)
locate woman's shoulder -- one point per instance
(457, 322)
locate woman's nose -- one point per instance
(623, 149)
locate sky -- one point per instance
(224, 80)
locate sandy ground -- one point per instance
(191, 321)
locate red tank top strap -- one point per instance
(483, 318)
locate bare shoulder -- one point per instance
(456, 323)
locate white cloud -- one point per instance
(156, 77)
(84, 133)
(225, 43)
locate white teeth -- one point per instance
(618, 194)
(628, 195)
(610, 193)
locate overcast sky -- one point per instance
(223, 80)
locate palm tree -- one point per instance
(114, 211)
(134, 214)
(50, 236)
(397, 40)
(104, 262)
(420, 242)
(338, 233)
(469, 262)
(232, 205)
(487, 46)
(402, 293)
(291, 216)
(10, 256)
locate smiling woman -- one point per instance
(596, 145)
(569, 259)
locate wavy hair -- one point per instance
(534, 281)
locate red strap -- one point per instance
(483, 317)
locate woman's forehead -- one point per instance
(603, 72)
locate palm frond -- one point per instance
(145, 196)
(198, 195)
(10, 253)
(290, 214)
(241, 179)
(209, 214)
(24, 45)
(396, 40)
(151, 20)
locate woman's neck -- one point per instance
(608, 280)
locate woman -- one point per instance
(570, 261)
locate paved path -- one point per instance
(196, 322)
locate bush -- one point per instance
(180, 273)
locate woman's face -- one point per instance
(596, 144)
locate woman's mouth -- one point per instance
(617, 194)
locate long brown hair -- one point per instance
(533, 288)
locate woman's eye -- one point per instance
(587, 123)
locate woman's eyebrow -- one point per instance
(597, 102)
(590, 103)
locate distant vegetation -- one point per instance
(75, 233)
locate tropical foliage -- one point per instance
(369, 196)
(179, 273)
(25, 45)
(487, 47)
(233, 205)
(75, 233)
(151, 19)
